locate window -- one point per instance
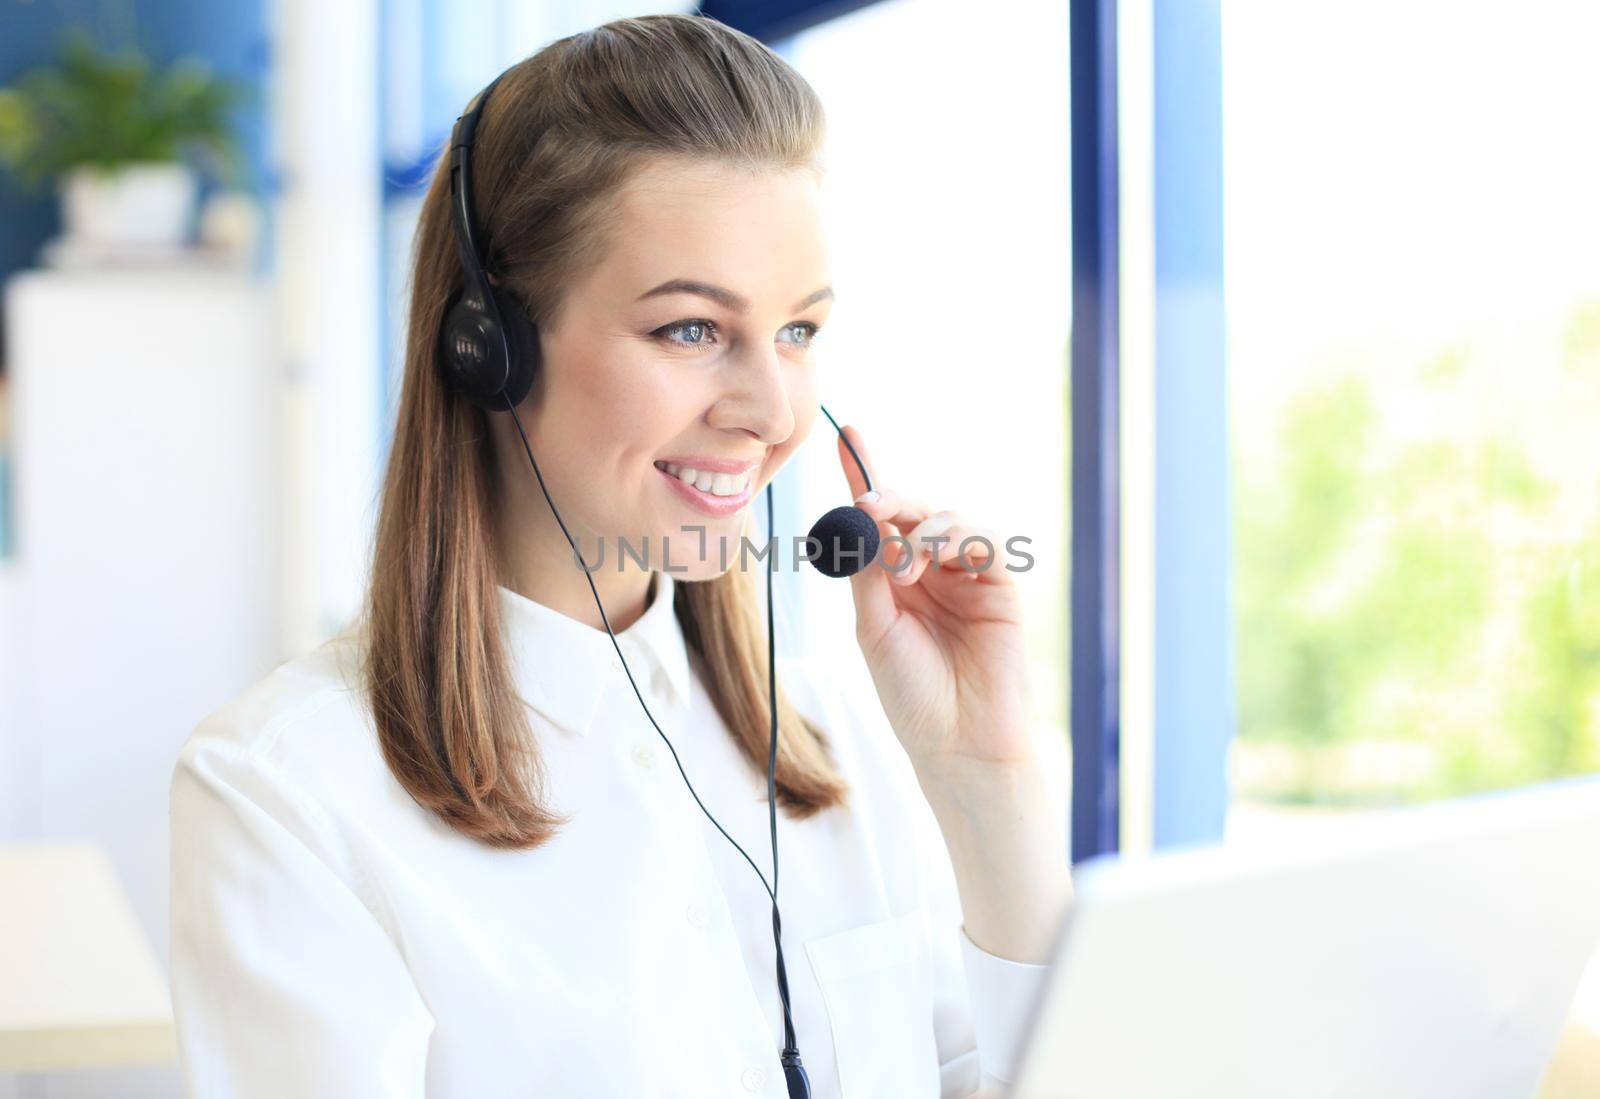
(947, 191)
(1413, 311)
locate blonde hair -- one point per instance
(563, 131)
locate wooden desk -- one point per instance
(79, 986)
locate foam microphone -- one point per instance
(847, 536)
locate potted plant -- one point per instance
(121, 138)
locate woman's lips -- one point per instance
(718, 507)
(715, 465)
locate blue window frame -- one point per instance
(1193, 653)
(1186, 666)
(1094, 689)
(774, 20)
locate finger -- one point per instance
(884, 505)
(966, 548)
(934, 524)
(981, 561)
(944, 542)
(869, 587)
(906, 573)
(849, 437)
(888, 506)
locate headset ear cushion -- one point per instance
(471, 347)
(523, 339)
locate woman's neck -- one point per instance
(537, 563)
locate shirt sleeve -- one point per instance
(1003, 994)
(284, 982)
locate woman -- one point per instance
(446, 854)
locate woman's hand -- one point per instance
(944, 645)
(942, 639)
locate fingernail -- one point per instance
(868, 497)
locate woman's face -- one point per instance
(679, 375)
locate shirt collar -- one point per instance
(563, 667)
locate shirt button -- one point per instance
(752, 1079)
(696, 916)
(643, 756)
(616, 664)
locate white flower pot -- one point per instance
(145, 205)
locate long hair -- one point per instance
(561, 134)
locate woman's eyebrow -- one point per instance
(725, 297)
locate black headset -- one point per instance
(491, 353)
(490, 346)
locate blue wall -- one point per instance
(231, 34)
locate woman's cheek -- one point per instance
(643, 404)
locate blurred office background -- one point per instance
(1311, 482)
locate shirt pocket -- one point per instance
(877, 985)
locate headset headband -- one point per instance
(475, 281)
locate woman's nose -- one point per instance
(757, 399)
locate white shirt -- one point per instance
(330, 937)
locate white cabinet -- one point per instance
(145, 590)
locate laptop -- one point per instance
(1426, 952)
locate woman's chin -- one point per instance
(696, 555)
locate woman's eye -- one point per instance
(703, 333)
(697, 333)
(807, 331)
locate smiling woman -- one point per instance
(442, 854)
(687, 342)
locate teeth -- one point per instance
(715, 484)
